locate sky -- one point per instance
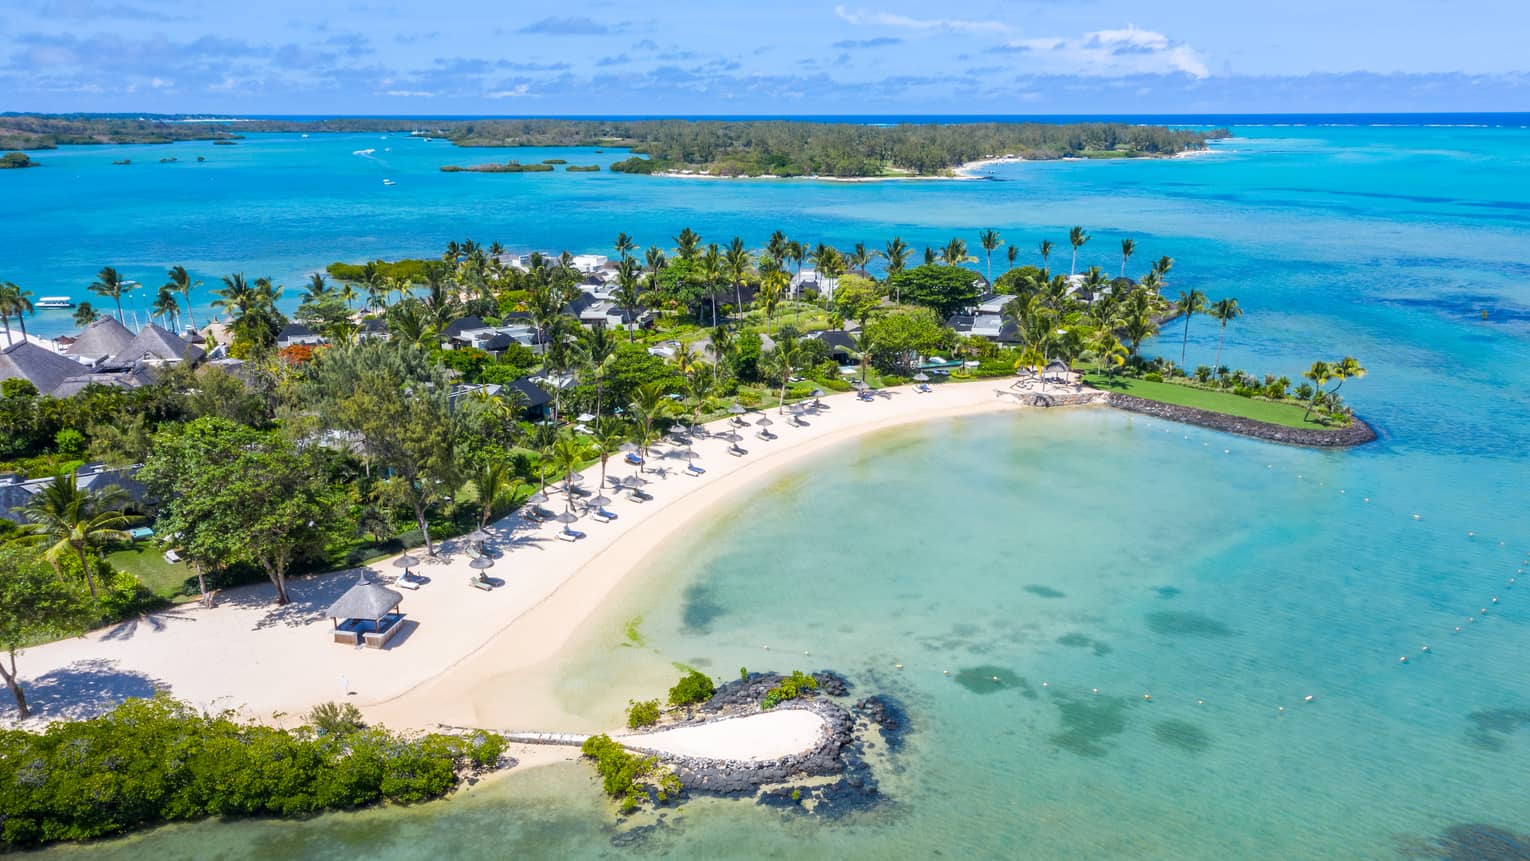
(783, 57)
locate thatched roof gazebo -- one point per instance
(369, 612)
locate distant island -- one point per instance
(711, 147)
(498, 167)
(16, 160)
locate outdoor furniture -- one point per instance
(479, 581)
(172, 557)
(390, 625)
(693, 469)
(141, 533)
(603, 515)
(923, 388)
(633, 459)
(736, 451)
(406, 583)
(765, 435)
(796, 422)
(637, 495)
(571, 535)
(347, 637)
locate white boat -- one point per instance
(305, 136)
(389, 182)
(62, 302)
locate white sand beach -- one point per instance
(448, 663)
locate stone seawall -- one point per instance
(1358, 432)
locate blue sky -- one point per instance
(779, 57)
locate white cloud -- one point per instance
(863, 17)
(1131, 51)
(514, 92)
(410, 94)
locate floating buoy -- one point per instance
(1096, 690)
(1426, 648)
(1043, 684)
(766, 648)
(806, 652)
(1484, 611)
(1307, 698)
(1367, 499)
(1280, 708)
(900, 666)
(1403, 659)
(1416, 517)
(1227, 451)
(1148, 697)
(1495, 600)
(1470, 534)
(947, 672)
(996, 679)
(1200, 702)
(1458, 629)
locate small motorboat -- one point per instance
(55, 302)
(389, 182)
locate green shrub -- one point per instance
(69, 441)
(836, 385)
(993, 368)
(335, 718)
(790, 688)
(642, 713)
(894, 380)
(152, 761)
(694, 687)
(743, 672)
(626, 776)
(1153, 377)
(798, 391)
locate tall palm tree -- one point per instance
(70, 519)
(1076, 237)
(1128, 248)
(17, 301)
(1346, 368)
(796, 253)
(955, 252)
(788, 354)
(650, 404)
(604, 444)
(897, 253)
(236, 297)
(990, 241)
(929, 256)
(1223, 311)
(180, 282)
(737, 259)
(569, 452)
(687, 244)
(490, 482)
(84, 314)
(1012, 252)
(317, 287)
(624, 246)
(110, 284)
(773, 285)
(629, 294)
(1320, 373)
(721, 345)
(712, 268)
(596, 348)
(1046, 251)
(166, 308)
(1189, 304)
(775, 248)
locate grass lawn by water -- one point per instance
(145, 560)
(1287, 415)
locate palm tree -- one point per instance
(1346, 368)
(990, 241)
(1108, 349)
(165, 307)
(569, 452)
(955, 252)
(624, 246)
(84, 314)
(1012, 253)
(711, 272)
(775, 248)
(180, 282)
(1128, 248)
(1138, 321)
(1188, 304)
(787, 355)
(897, 253)
(14, 300)
(650, 402)
(687, 244)
(737, 258)
(595, 349)
(860, 257)
(604, 444)
(1320, 373)
(629, 293)
(70, 519)
(490, 482)
(1223, 311)
(773, 285)
(1046, 251)
(929, 256)
(722, 347)
(796, 254)
(235, 298)
(110, 283)
(316, 288)
(1076, 237)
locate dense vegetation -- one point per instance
(796, 685)
(15, 160)
(723, 147)
(628, 777)
(154, 761)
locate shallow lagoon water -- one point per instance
(1063, 552)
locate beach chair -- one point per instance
(924, 388)
(603, 516)
(637, 495)
(736, 451)
(568, 534)
(765, 435)
(693, 469)
(633, 459)
(407, 582)
(478, 581)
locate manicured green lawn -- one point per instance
(145, 560)
(1288, 415)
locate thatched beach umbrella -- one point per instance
(598, 499)
(406, 562)
(481, 563)
(634, 481)
(921, 377)
(737, 409)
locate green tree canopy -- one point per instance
(35, 605)
(947, 289)
(900, 336)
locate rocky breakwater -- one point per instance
(1357, 433)
(832, 778)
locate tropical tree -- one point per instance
(1076, 238)
(1046, 251)
(1012, 253)
(687, 244)
(1188, 305)
(14, 301)
(1138, 320)
(650, 404)
(110, 284)
(1223, 311)
(624, 246)
(737, 260)
(955, 252)
(1128, 248)
(990, 241)
(1345, 369)
(317, 287)
(595, 350)
(70, 520)
(1109, 350)
(166, 308)
(787, 356)
(35, 606)
(897, 253)
(1320, 373)
(605, 443)
(180, 282)
(711, 272)
(84, 314)
(629, 294)
(773, 285)
(491, 481)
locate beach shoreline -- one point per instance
(448, 663)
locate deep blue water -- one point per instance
(1228, 579)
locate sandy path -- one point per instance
(448, 664)
(750, 738)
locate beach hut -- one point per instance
(366, 613)
(1057, 372)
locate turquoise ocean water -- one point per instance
(1064, 552)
